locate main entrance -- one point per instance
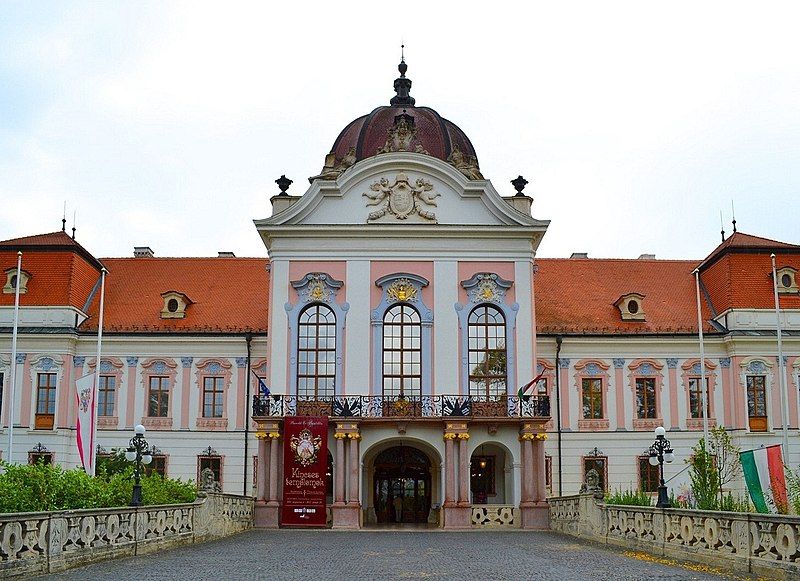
(402, 486)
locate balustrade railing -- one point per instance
(426, 406)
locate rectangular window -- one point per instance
(646, 398)
(696, 399)
(45, 401)
(757, 402)
(541, 386)
(214, 463)
(40, 457)
(105, 395)
(157, 466)
(212, 397)
(648, 475)
(158, 397)
(592, 399)
(600, 465)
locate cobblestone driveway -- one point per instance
(324, 555)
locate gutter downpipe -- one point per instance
(248, 338)
(559, 339)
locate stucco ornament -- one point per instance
(400, 136)
(466, 164)
(486, 289)
(401, 291)
(334, 167)
(401, 198)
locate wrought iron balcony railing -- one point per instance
(426, 406)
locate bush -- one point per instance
(44, 487)
(629, 498)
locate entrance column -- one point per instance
(267, 507)
(456, 510)
(533, 508)
(346, 509)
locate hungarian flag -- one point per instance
(87, 416)
(532, 383)
(763, 473)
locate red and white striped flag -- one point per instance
(85, 397)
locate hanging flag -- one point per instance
(532, 383)
(262, 387)
(87, 416)
(763, 473)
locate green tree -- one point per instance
(704, 476)
(726, 457)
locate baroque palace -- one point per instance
(403, 298)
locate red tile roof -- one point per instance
(229, 295)
(741, 242)
(49, 242)
(577, 296)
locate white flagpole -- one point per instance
(93, 451)
(781, 370)
(703, 385)
(13, 378)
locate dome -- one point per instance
(401, 126)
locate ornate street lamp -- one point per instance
(138, 452)
(660, 452)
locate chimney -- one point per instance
(647, 257)
(143, 252)
(225, 254)
(580, 255)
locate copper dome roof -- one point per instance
(401, 126)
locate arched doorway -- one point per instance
(402, 485)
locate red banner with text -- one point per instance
(305, 462)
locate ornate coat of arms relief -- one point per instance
(400, 136)
(402, 199)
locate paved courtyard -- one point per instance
(323, 555)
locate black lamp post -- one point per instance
(139, 453)
(660, 452)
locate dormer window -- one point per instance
(787, 280)
(11, 281)
(175, 305)
(631, 307)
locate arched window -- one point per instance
(402, 351)
(487, 352)
(316, 352)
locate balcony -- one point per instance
(378, 406)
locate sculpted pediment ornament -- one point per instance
(317, 287)
(486, 287)
(400, 136)
(401, 198)
(466, 164)
(334, 167)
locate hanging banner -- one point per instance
(305, 461)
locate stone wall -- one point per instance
(767, 545)
(47, 542)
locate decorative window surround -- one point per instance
(213, 367)
(175, 305)
(110, 366)
(594, 369)
(10, 287)
(400, 288)
(596, 458)
(647, 368)
(691, 370)
(316, 288)
(758, 366)
(785, 274)
(631, 307)
(159, 367)
(490, 289)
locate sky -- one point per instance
(165, 124)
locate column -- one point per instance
(619, 382)
(463, 469)
(26, 389)
(130, 407)
(525, 461)
(65, 392)
(261, 480)
(674, 408)
(565, 391)
(450, 470)
(540, 482)
(241, 391)
(273, 468)
(352, 469)
(339, 469)
(186, 376)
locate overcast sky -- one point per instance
(166, 125)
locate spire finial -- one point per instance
(64, 218)
(74, 215)
(402, 85)
(722, 226)
(733, 215)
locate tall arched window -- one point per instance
(402, 351)
(487, 352)
(316, 352)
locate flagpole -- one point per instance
(781, 370)
(93, 451)
(703, 385)
(13, 362)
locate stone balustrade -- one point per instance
(763, 544)
(495, 516)
(47, 542)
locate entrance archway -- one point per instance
(402, 485)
